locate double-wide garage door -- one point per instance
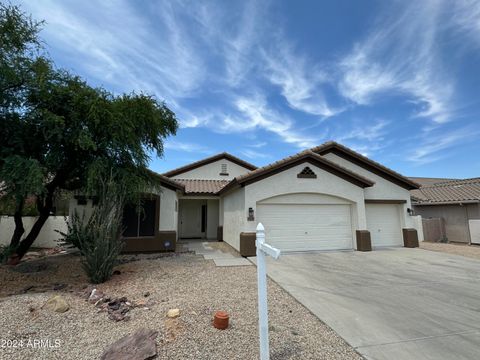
(305, 227)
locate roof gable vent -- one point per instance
(224, 170)
(307, 173)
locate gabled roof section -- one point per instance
(449, 192)
(202, 187)
(291, 161)
(167, 182)
(366, 163)
(210, 160)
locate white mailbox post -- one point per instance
(262, 250)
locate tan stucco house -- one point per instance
(317, 199)
(456, 202)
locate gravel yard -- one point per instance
(183, 281)
(471, 251)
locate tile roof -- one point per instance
(448, 192)
(202, 187)
(209, 160)
(165, 180)
(306, 154)
(373, 165)
(425, 181)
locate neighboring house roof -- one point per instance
(448, 192)
(288, 162)
(210, 160)
(366, 163)
(202, 187)
(426, 181)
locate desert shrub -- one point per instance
(98, 237)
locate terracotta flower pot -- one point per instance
(220, 321)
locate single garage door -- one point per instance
(383, 222)
(303, 227)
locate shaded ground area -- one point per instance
(471, 251)
(183, 281)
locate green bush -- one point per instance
(99, 237)
(7, 206)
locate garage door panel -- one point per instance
(383, 222)
(303, 227)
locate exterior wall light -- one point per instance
(251, 215)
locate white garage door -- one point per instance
(383, 222)
(293, 227)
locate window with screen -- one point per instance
(139, 221)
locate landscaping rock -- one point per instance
(173, 313)
(117, 316)
(118, 308)
(95, 296)
(57, 303)
(137, 346)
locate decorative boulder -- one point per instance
(56, 303)
(137, 346)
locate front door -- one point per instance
(192, 218)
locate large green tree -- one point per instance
(58, 133)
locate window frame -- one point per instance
(156, 229)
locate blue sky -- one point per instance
(398, 81)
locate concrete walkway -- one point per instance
(393, 303)
(220, 258)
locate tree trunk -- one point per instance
(19, 229)
(44, 210)
(32, 235)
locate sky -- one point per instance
(398, 81)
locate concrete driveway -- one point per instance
(393, 303)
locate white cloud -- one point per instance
(432, 146)
(257, 114)
(401, 56)
(186, 147)
(187, 119)
(115, 44)
(252, 154)
(237, 49)
(466, 19)
(258, 145)
(366, 139)
(252, 113)
(369, 132)
(300, 80)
